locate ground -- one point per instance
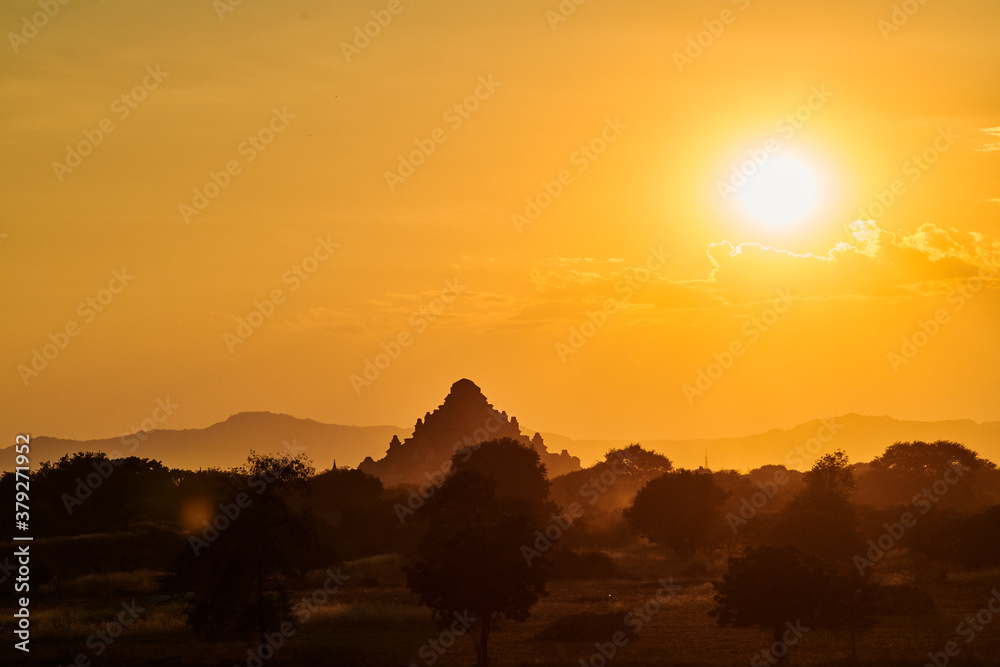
(374, 620)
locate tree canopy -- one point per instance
(679, 510)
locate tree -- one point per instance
(822, 521)
(679, 510)
(259, 536)
(909, 468)
(830, 477)
(470, 563)
(356, 519)
(515, 468)
(775, 588)
(930, 459)
(638, 461)
(89, 492)
(822, 518)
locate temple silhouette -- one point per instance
(466, 418)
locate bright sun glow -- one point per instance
(781, 192)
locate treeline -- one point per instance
(88, 493)
(489, 532)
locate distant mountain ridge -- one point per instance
(862, 437)
(227, 443)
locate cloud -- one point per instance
(874, 264)
(995, 146)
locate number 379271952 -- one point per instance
(22, 448)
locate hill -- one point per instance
(862, 437)
(226, 444)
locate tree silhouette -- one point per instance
(772, 587)
(679, 510)
(89, 492)
(639, 461)
(238, 576)
(469, 564)
(515, 468)
(907, 468)
(822, 518)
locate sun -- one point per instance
(781, 192)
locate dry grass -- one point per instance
(386, 615)
(104, 584)
(387, 569)
(383, 625)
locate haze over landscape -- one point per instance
(225, 444)
(525, 332)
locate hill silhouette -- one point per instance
(466, 418)
(863, 437)
(225, 444)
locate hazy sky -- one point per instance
(629, 124)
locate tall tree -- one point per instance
(515, 468)
(470, 563)
(822, 518)
(260, 535)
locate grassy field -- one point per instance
(374, 620)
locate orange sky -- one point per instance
(301, 132)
